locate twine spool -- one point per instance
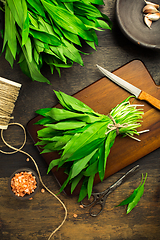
(9, 92)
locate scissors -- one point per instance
(99, 199)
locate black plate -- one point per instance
(26, 197)
(131, 21)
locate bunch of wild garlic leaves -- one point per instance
(84, 137)
(51, 32)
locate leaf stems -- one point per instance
(84, 138)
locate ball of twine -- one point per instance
(9, 92)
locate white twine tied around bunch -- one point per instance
(9, 92)
(117, 126)
(114, 125)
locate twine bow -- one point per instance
(114, 126)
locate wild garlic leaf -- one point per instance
(44, 121)
(66, 125)
(92, 168)
(135, 197)
(16, 9)
(55, 29)
(71, 103)
(25, 25)
(75, 181)
(90, 185)
(72, 37)
(52, 164)
(83, 190)
(43, 111)
(8, 55)
(44, 36)
(81, 164)
(58, 114)
(87, 10)
(36, 4)
(10, 32)
(85, 150)
(67, 20)
(28, 47)
(86, 137)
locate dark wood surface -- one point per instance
(35, 220)
(95, 96)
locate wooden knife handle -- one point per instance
(152, 100)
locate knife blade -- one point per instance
(138, 93)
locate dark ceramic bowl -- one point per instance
(25, 197)
(131, 21)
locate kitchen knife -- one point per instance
(131, 89)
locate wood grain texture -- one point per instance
(36, 219)
(104, 95)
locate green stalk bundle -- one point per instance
(51, 32)
(84, 138)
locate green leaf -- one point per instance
(90, 134)
(44, 36)
(8, 56)
(44, 121)
(75, 181)
(132, 196)
(92, 169)
(90, 185)
(67, 20)
(137, 198)
(62, 114)
(36, 4)
(72, 37)
(43, 111)
(101, 168)
(10, 32)
(52, 164)
(66, 125)
(71, 52)
(16, 9)
(81, 164)
(25, 25)
(86, 149)
(87, 10)
(83, 191)
(41, 143)
(71, 103)
(46, 132)
(31, 69)
(65, 183)
(63, 141)
(28, 47)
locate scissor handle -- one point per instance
(101, 203)
(95, 196)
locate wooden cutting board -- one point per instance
(102, 96)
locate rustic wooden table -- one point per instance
(36, 219)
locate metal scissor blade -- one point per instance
(120, 82)
(123, 178)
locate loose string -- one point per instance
(36, 166)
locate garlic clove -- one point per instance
(149, 9)
(148, 22)
(153, 4)
(153, 16)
